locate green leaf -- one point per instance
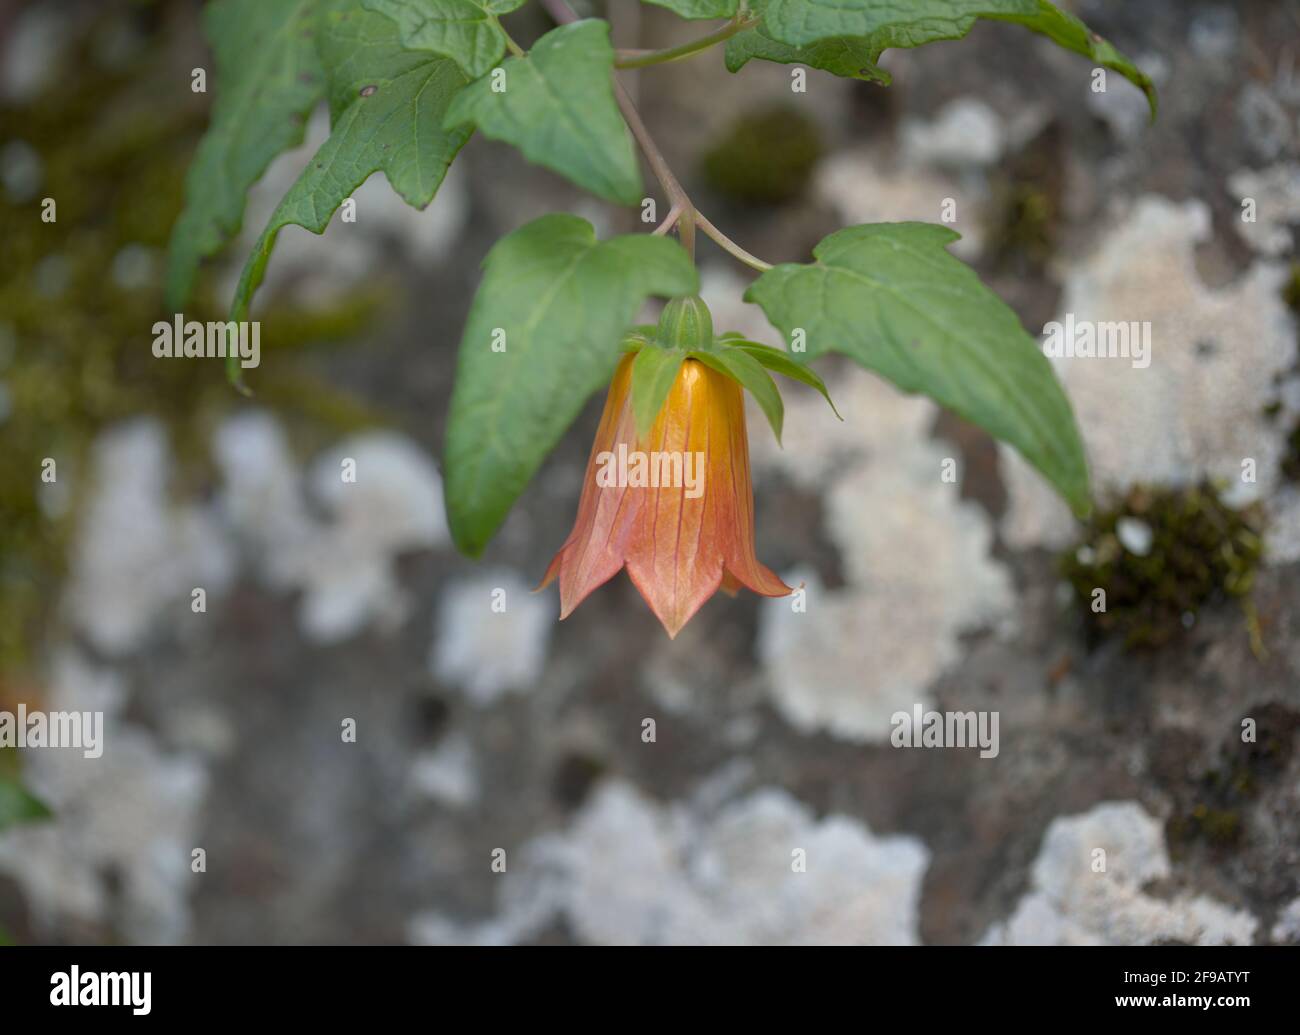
(696, 10)
(846, 56)
(779, 361)
(843, 56)
(740, 366)
(558, 108)
(563, 301)
(891, 297)
(267, 78)
(19, 805)
(653, 373)
(882, 24)
(465, 30)
(390, 104)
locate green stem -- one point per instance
(677, 196)
(511, 45)
(681, 207)
(730, 246)
(642, 58)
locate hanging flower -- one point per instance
(667, 492)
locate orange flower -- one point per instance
(675, 507)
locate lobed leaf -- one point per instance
(561, 301)
(557, 106)
(267, 79)
(465, 30)
(389, 104)
(891, 297)
(846, 56)
(863, 29)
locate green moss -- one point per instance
(767, 158)
(1024, 214)
(1028, 223)
(1291, 289)
(114, 147)
(1290, 462)
(1201, 550)
(1213, 806)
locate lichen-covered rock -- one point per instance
(759, 871)
(491, 635)
(917, 575)
(138, 554)
(130, 816)
(1089, 888)
(1198, 409)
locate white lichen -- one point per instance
(916, 562)
(1272, 198)
(128, 817)
(393, 505)
(1286, 928)
(760, 871)
(138, 556)
(1197, 410)
(491, 634)
(964, 132)
(449, 773)
(862, 187)
(1088, 887)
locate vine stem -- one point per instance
(677, 195)
(687, 215)
(511, 45)
(669, 222)
(642, 58)
(730, 246)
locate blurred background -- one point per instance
(504, 785)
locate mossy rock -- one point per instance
(1200, 550)
(766, 158)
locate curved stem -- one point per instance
(682, 210)
(669, 222)
(730, 246)
(642, 58)
(511, 45)
(677, 195)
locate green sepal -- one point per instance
(779, 361)
(653, 373)
(749, 373)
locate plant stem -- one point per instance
(513, 47)
(669, 222)
(682, 208)
(730, 246)
(642, 58)
(677, 195)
